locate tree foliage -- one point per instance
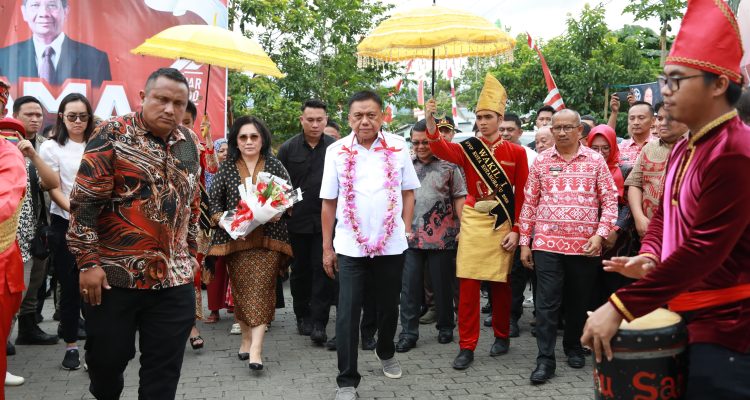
(584, 61)
(314, 43)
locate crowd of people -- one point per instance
(124, 213)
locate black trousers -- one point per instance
(442, 270)
(312, 290)
(381, 278)
(66, 272)
(717, 373)
(562, 279)
(520, 276)
(162, 318)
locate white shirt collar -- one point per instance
(56, 45)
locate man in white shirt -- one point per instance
(368, 186)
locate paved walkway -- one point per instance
(294, 369)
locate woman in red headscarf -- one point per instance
(622, 240)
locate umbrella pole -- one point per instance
(208, 87)
(433, 73)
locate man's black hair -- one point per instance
(734, 90)
(420, 126)
(331, 123)
(545, 108)
(365, 95)
(514, 118)
(169, 73)
(643, 103)
(658, 107)
(313, 103)
(743, 106)
(192, 110)
(24, 100)
(588, 117)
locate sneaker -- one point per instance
(391, 367)
(235, 329)
(12, 380)
(72, 360)
(346, 393)
(429, 317)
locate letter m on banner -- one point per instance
(553, 99)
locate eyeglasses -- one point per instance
(566, 128)
(600, 149)
(673, 82)
(422, 143)
(73, 117)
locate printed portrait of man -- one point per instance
(49, 53)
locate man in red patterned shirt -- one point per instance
(495, 170)
(571, 206)
(640, 120)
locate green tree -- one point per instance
(666, 10)
(314, 43)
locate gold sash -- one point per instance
(480, 252)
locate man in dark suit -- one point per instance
(50, 54)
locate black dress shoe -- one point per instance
(488, 320)
(331, 344)
(542, 373)
(405, 344)
(318, 336)
(445, 337)
(487, 308)
(304, 326)
(514, 330)
(369, 344)
(576, 359)
(464, 358)
(500, 347)
(243, 356)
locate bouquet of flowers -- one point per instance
(259, 203)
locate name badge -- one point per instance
(555, 170)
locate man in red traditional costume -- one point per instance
(496, 172)
(696, 253)
(12, 192)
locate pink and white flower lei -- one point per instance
(391, 185)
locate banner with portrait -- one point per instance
(648, 92)
(50, 48)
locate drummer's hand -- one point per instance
(510, 241)
(633, 267)
(600, 327)
(430, 108)
(526, 258)
(593, 246)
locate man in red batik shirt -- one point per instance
(495, 170)
(571, 206)
(695, 255)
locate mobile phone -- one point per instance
(622, 96)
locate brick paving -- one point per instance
(294, 369)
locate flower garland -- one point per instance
(391, 185)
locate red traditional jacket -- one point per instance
(12, 191)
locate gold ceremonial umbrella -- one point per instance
(434, 33)
(213, 45)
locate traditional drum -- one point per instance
(649, 360)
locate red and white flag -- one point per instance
(553, 99)
(454, 108)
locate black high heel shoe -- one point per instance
(243, 356)
(256, 366)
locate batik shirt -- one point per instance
(135, 205)
(648, 174)
(435, 223)
(568, 202)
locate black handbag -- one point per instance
(41, 244)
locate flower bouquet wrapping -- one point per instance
(259, 203)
